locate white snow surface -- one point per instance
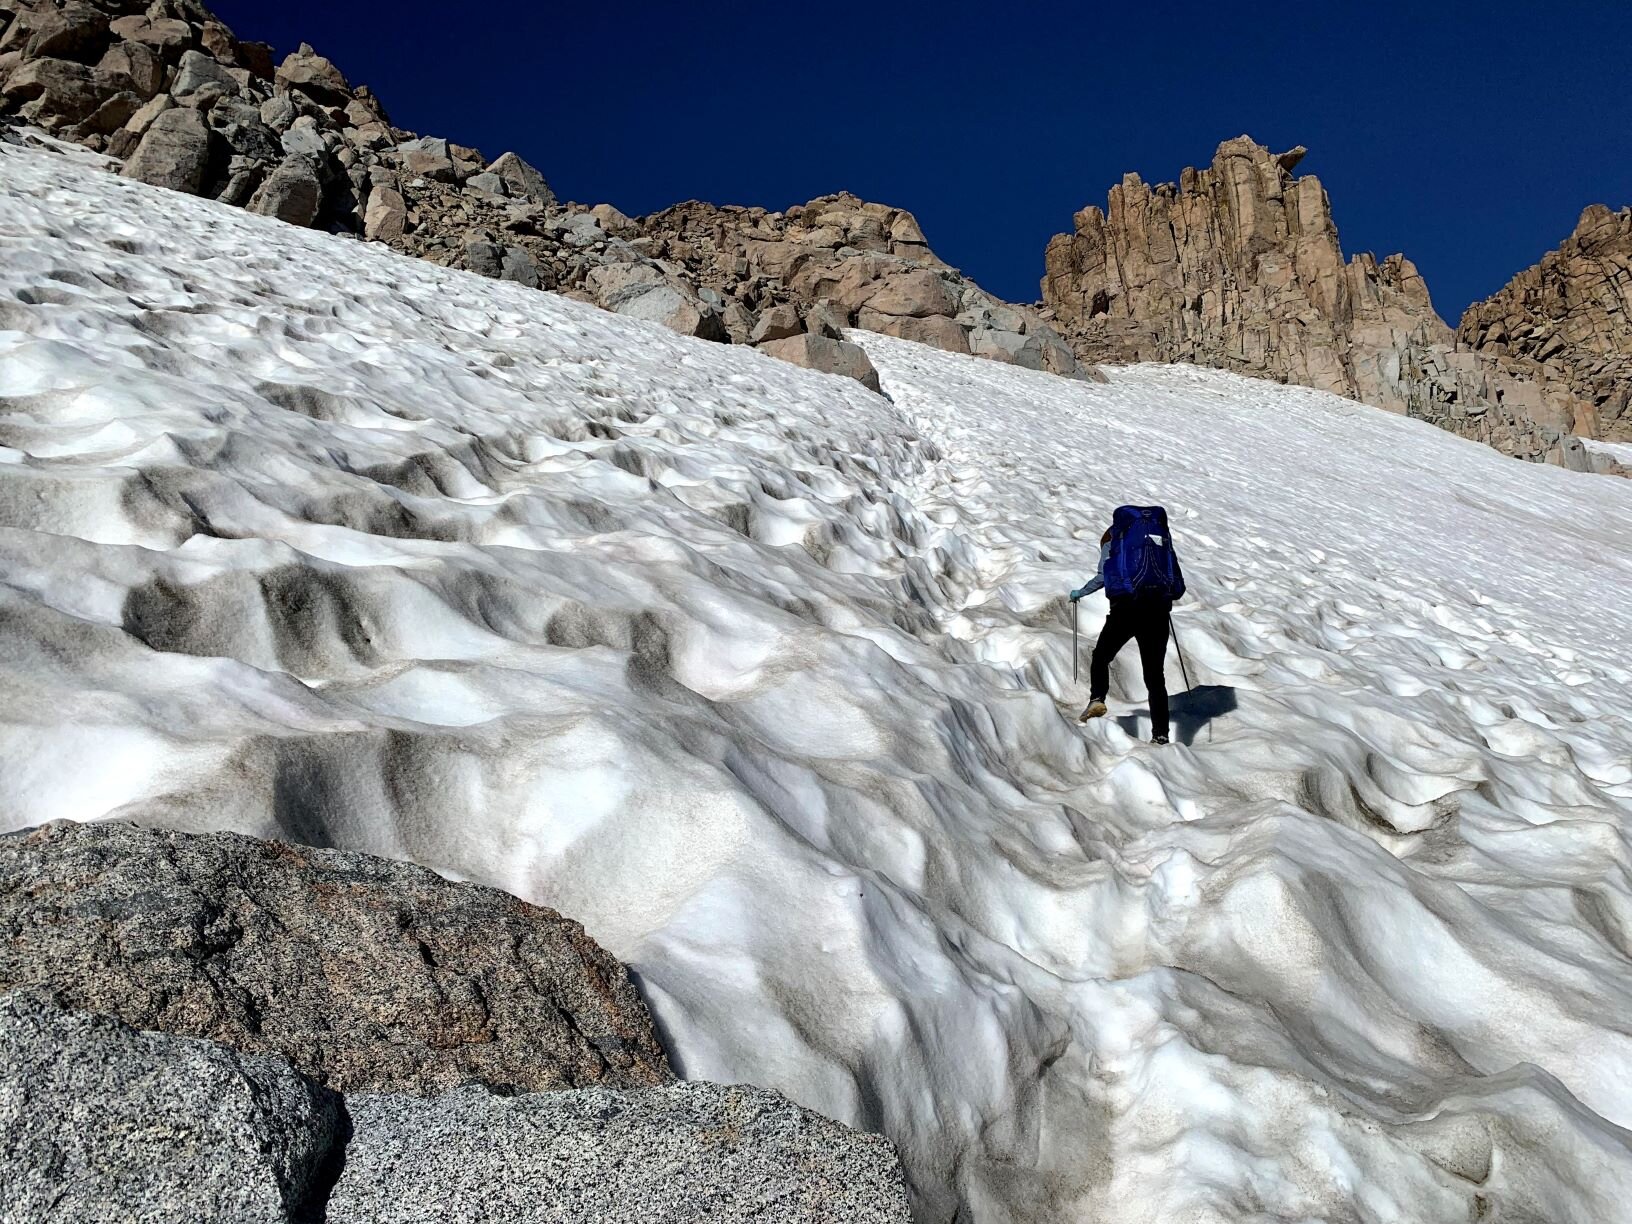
(767, 680)
(1621, 452)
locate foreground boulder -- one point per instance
(688, 1152)
(349, 1039)
(100, 1122)
(364, 973)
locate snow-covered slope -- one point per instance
(767, 680)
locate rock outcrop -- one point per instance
(1565, 325)
(851, 263)
(364, 973)
(1239, 266)
(188, 106)
(100, 1122)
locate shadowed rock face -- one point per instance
(1239, 266)
(364, 973)
(1566, 324)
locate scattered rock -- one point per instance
(777, 323)
(55, 91)
(427, 157)
(364, 973)
(676, 310)
(517, 265)
(292, 193)
(484, 258)
(239, 124)
(827, 356)
(278, 112)
(303, 137)
(73, 32)
(1007, 346)
(166, 35)
(524, 182)
(613, 221)
(489, 182)
(175, 152)
(198, 72)
(387, 215)
(218, 43)
(132, 66)
(827, 319)
(916, 293)
(113, 114)
(138, 124)
(306, 72)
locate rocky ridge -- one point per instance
(1239, 266)
(170, 90)
(211, 1027)
(1566, 325)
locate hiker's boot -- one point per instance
(1096, 709)
(1160, 739)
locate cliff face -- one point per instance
(1566, 325)
(1239, 266)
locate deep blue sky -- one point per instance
(1468, 135)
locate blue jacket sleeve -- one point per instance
(1098, 580)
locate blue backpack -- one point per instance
(1142, 560)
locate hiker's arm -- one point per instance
(1098, 580)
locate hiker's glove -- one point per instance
(1075, 595)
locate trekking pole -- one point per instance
(1075, 650)
(1175, 633)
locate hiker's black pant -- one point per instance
(1146, 620)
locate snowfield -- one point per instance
(767, 680)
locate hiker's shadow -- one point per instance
(1189, 712)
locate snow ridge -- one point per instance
(767, 680)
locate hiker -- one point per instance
(1140, 574)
